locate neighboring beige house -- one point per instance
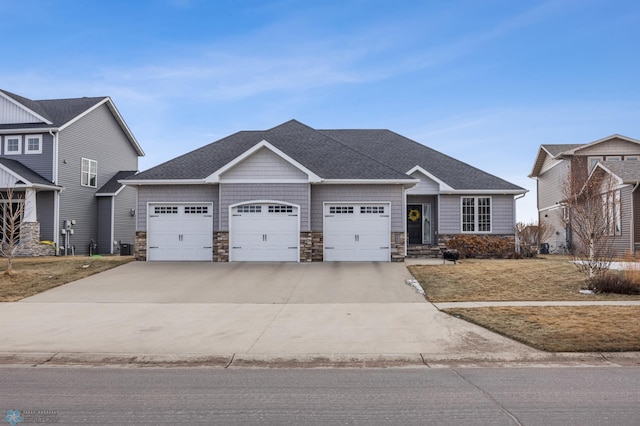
(616, 155)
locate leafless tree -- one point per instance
(592, 213)
(531, 235)
(12, 212)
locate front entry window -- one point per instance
(419, 228)
(426, 225)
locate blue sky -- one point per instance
(486, 82)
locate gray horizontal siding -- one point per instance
(502, 214)
(294, 193)
(124, 223)
(356, 193)
(175, 194)
(39, 163)
(622, 243)
(44, 204)
(550, 185)
(104, 225)
(96, 136)
(612, 147)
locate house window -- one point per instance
(612, 212)
(89, 173)
(476, 214)
(12, 145)
(34, 144)
(631, 158)
(614, 158)
(593, 161)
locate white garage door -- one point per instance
(264, 232)
(356, 232)
(180, 232)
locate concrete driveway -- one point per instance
(245, 311)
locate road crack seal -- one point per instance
(488, 396)
(230, 361)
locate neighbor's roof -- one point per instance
(60, 112)
(333, 154)
(625, 171)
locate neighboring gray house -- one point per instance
(65, 156)
(616, 155)
(293, 193)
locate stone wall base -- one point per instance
(397, 247)
(221, 246)
(140, 249)
(311, 247)
(30, 245)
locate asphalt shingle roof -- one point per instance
(555, 149)
(332, 154)
(58, 111)
(112, 186)
(628, 171)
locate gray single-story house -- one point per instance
(294, 193)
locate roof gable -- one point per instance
(247, 167)
(17, 110)
(15, 174)
(625, 172)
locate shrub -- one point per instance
(615, 282)
(482, 246)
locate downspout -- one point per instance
(56, 194)
(515, 221)
(633, 231)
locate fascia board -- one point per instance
(215, 176)
(28, 131)
(143, 182)
(21, 106)
(486, 191)
(370, 181)
(441, 183)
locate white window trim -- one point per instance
(475, 215)
(88, 172)
(6, 143)
(26, 144)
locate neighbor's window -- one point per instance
(593, 161)
(612, 212)
(12, 145)
(476, 214)
(89, 173)
(34, 144)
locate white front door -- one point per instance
(264, 232)
(357, 232)
(180, 232)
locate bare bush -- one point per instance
(530, 236)
(12, 212)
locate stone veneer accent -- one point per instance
(397, 247)
(221, 246)
(311, 247)
(30, 245)
(141, 246)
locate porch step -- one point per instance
(422, 251)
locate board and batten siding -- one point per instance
(175, 194)
(40, 163)
(234, 193)
(96, 136)
(263, 165)
(356, 194)
(502, 214)
(11, 113)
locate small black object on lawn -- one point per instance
(450, 254)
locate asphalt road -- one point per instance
(478, 396)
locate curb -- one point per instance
(622, 359)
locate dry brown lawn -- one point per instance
(551, 278)
(554, 329)
(35, 275)
(562, 328)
